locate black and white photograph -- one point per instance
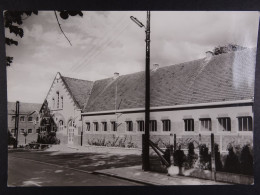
(130, 98)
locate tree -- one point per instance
(13, 21)
(227, 48)
(11, 139)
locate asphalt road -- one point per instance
(48, 169)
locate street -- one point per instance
(32, 168)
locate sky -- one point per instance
(108, 42)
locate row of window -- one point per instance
(22, 131)
(22, 118)
(244, 124)
(59, 99)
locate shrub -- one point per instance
(219, 165)
(232, 164)
(205, 158)
(48, 138)
(191, 157)
(179, 157)
(246, 161)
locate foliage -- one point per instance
(116, 142)
(219, 165)
(232, 164)
(227, 48)
(13, 21)
(246, 160)
(205, 158)
(11, 139)
(179, 157)
(48, 138)
(191, 157)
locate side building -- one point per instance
(192, 100)
(29, 121)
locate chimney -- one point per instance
(209, 54)
(155, 67)
(116, 75)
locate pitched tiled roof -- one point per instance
(25, 108)
(79, 89)
(225, 77)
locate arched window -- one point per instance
(60, 125)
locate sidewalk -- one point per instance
(136, 174)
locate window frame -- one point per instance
(29, 132)
(95, 125)
(166, 125)
(204, 129)
(129, 126)
(12, 118)
(30, 117)
(224, 124)
(249, 121)
(189, 125)
(22, 131)
(22, 117)
(87, 129)
(104, 126)
(113, 126)
(140, 125)
(153, 125)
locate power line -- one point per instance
(94, 49)
(107, 43)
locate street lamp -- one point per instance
(145, 140)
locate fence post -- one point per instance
(174, 145)
(172, 141)
(213, 163)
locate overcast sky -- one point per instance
(108, 42)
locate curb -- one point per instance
(127, 179)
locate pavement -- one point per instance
(120, 166)
(136, 174)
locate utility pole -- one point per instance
(17, 105)
(146, 157)
(146, 136)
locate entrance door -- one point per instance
(70, 132)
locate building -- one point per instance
(66, 99)
(28, 121)
(214, 94)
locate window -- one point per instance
(245, 123)
(104, 126)
(53, 103)
(21, 131)
(58, 99)
(153, 125)
(60, 125)
(113, 126)
(140, 125)
(224, 124)
(166, 125)
(61, 101)
(22, 118)
(95, 126)
(87, 126)
(30, 119)
(37, 119)
(129, 125)
(29, 131)
(13, 118)
(37, 130)
(13, 131)
(205, 124)
(189, 124)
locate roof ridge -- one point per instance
(76, 79)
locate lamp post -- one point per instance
(145, 144)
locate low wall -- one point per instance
(113, 150)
